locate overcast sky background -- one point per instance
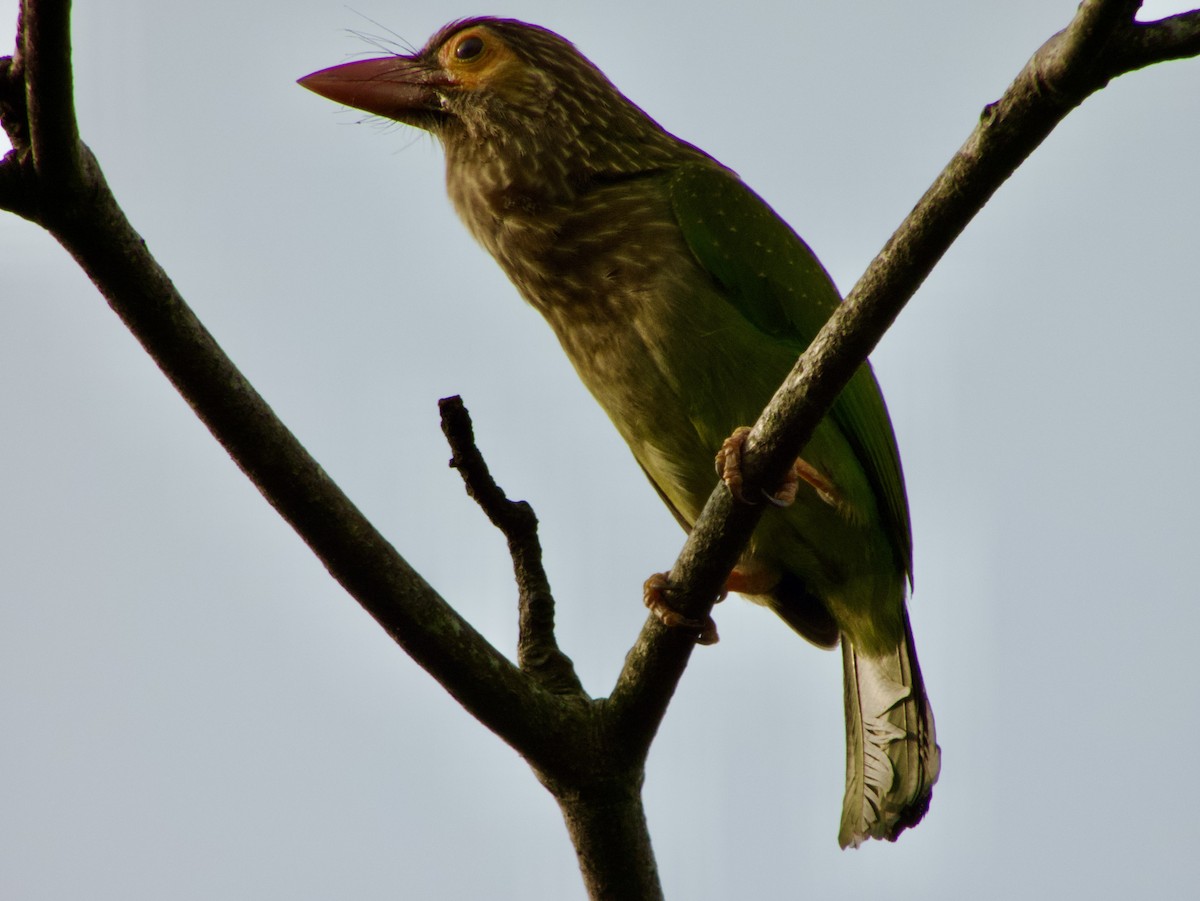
(193, 709)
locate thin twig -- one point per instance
(1175, 37)
(537, 648)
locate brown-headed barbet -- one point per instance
(683, 301)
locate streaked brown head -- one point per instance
(498, 88)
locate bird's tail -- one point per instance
(892, 756)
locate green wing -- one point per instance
(773, 279)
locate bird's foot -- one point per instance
(729, 468)
(729, 462)
(654, 593)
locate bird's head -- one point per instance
(498, 88)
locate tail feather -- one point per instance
(892, 756)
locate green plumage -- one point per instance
(773, 279)
(683, 301)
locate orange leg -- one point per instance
(752, 578)
(747, 579)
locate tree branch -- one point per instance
(87, 221)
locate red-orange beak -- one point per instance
(397, 87)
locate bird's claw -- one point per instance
(654, 593)
(729, 468)
(729, 462)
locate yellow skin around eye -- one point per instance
(487, 69)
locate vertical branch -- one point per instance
(612, 844)
(44, 51)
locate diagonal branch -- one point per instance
(1101, 42)
(78, 208)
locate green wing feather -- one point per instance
(773, 279)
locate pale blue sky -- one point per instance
(192, 709)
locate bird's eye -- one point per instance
(469, 48)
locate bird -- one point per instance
(683, 299)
